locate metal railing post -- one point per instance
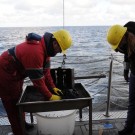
(109, 87)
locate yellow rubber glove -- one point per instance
(55, 97)
(57, 91)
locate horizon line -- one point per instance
(53, 26)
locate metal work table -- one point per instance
(33, 106)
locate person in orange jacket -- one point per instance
(30, 59)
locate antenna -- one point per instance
(63, 15)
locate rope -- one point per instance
(117, 73)
(94, 108)
(91, 82)
(63, 15)
(86, 62)
(118, 90)
(119, 105)
(99, 91)
(118, 61)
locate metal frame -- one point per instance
(109, 88)
(65, 104)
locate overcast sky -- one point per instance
(76, 12)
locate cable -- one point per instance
(92, 82)
(119, 105)
(118, 90)
(118, 61)
(99, 106)
(63, 15)
(99, 91)
(86, 62)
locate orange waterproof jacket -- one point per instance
(34, 60)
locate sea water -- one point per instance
(89, 55)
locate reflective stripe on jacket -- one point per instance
(33, 56)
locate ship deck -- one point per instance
(101, 125)
(81, 128)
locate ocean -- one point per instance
(90, 55)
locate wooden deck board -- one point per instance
(81, 128)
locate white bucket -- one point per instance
(56, 122)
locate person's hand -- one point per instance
(126, 75)
(55, 97)
(57, 91)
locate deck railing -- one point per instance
(110, 93)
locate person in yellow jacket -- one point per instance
(122, 40)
